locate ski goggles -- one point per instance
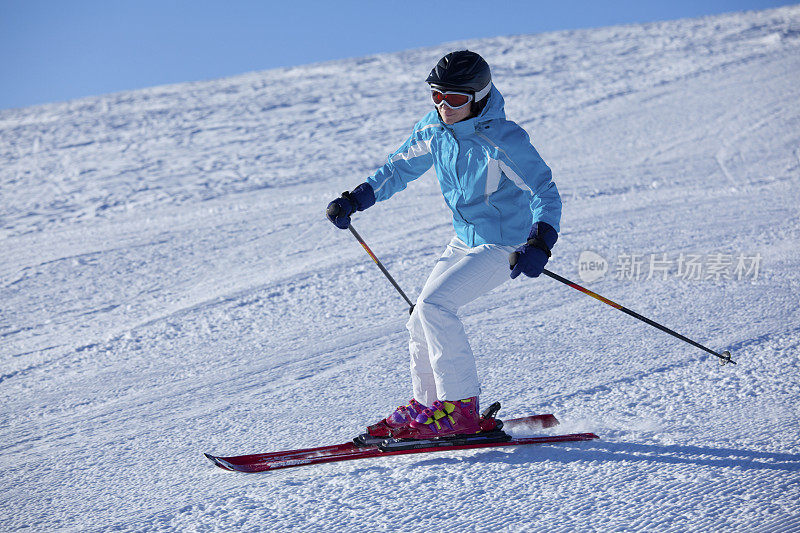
(453, 99)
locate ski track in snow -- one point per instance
(169, 286)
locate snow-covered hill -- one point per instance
(169, 285)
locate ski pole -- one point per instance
(724, 356)
(383, 269)
(333, 210)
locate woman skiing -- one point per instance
(503, 199)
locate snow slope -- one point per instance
(169, 286)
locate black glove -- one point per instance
(339, 210)
(531, 257)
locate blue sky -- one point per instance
(54, 50)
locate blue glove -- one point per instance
(530, 258)
(339, 210)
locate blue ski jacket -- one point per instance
(492, 178)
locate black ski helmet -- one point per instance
(462, 70)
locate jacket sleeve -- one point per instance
(405, 165)
(521, 163)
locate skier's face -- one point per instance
(451, 116)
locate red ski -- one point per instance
(350, 451)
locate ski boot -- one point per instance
(449, 424)
(443, 419)
(401, 417)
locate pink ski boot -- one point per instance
(443, 419)
(401, 417)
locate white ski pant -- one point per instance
(442, 363)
